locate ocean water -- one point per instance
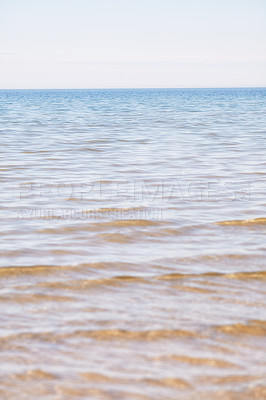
(132, 257)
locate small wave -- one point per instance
(253, 328)
(232, 379)
(34, 270)
(116, 237)
(260, 275)
(34, 374)
(254, 221)
(177, 383)
(33, 298)
(91, 283)
(94, 377)
(6, 272)
(134, 222)
(168, 382)
(102, 335)
(211, 362)
(100, 226)
(213, 259)
(150, 335)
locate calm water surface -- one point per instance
(132, 258)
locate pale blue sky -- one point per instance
(140, 43)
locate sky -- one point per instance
(132, 44)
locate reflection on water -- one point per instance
(132, 244)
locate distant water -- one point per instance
(133, 244)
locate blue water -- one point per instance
(131, 211)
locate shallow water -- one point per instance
(133, 244)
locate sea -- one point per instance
(132, 244)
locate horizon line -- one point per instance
(141, 88)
